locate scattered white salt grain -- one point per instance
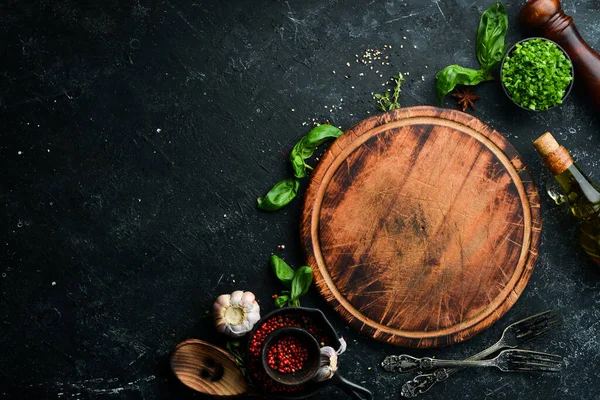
(53, 283)
(158, 130)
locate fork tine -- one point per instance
(536, 369)
(526, 337)
(538, 319)
(537, 326)
(533, 318)
(533, 364)
(523, 356)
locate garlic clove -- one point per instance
(224, 300)
(236, 297)
(323, 374)
(327, 352)
(254, 314)
(248, 299)
(328, 364)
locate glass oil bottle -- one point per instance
(580, 194)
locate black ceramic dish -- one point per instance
(567, 91)
(311, 366)
(311, 388)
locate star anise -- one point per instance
(465, 97)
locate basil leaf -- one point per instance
(320, 135)
(283, 271)
(281, 301)
(305, 148)
(453, 75)
(280, 195)
(297, 157)
(301, 282)
(490, 36)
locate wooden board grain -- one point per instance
(422, 226)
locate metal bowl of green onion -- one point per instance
(536, 74)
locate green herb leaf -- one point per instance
(298, 164)
(387, 103)
(453, 75)
(280, 195)
(490, 50)
(281, 301)
(305, 148)
(301, 282)
(319, 135)
(283, 271)
(490, 36)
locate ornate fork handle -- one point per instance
(405, 363)
(422, 383)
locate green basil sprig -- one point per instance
(490, 50)
(284, 272)
(280, 195)
(490, 36)
(298, 281)
(387, 103)
(285, 191)
(305, 148)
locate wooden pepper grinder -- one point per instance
(547, 19)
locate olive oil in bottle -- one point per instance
(580, 193)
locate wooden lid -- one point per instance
(207, 369)
(422, 226)
(555, 156)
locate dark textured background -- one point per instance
(136, 136)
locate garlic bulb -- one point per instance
(329, 361)
(235, 314)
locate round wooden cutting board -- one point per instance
(422, 226)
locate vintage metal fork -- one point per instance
(513, 360)
(515, 334)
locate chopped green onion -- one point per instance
(536, 74)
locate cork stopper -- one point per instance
(555, 156)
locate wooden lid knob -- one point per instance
(555, 156)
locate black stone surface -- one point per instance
(136, 136)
